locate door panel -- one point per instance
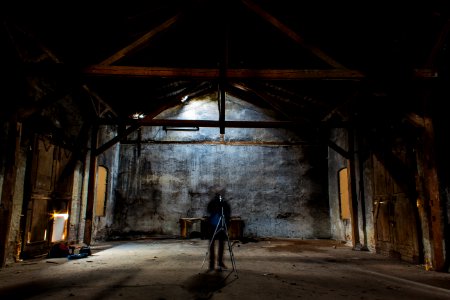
(394, 215)
(405, 231)
(37, 230)
(51, 188)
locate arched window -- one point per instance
(344, 199)
(102, 183)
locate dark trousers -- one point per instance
(220, 239)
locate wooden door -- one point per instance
(394, 215)
(50, 194)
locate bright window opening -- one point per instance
(102, 183)
(59, 227)
(344, 199)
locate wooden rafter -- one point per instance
(135, 126)
(141, 41)
(26, 111)
(291, 34)
(415, 120)
(294, 95)
(440, 41)
(429, 71)
(102, 107)
(265, 98)
(338, 149)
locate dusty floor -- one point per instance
(267, 269)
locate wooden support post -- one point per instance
(361, 186)
(423, 207)
(91, 187)
(434, 200)
(353, 194)
(222, 108)
(12, 150)
(223, 68)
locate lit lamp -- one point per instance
(172, 128)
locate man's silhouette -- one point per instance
(218, 208)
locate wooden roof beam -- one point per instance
(231, 124)
(197, 73)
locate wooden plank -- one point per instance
(141, 41)
(291, 34)
(199, 73)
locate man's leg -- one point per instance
(212, 254)
(220, 254)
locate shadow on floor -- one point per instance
(204, 285)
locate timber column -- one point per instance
(11, 150)
(91, 186)
(431, 183)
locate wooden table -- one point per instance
(187, 227)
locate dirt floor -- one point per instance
(265, 269)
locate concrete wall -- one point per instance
(272, 179)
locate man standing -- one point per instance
(219, 212)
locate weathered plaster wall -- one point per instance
(340, 229)
(273, 181)
(274, 189)
(110, 160)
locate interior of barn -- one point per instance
(313, 120)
